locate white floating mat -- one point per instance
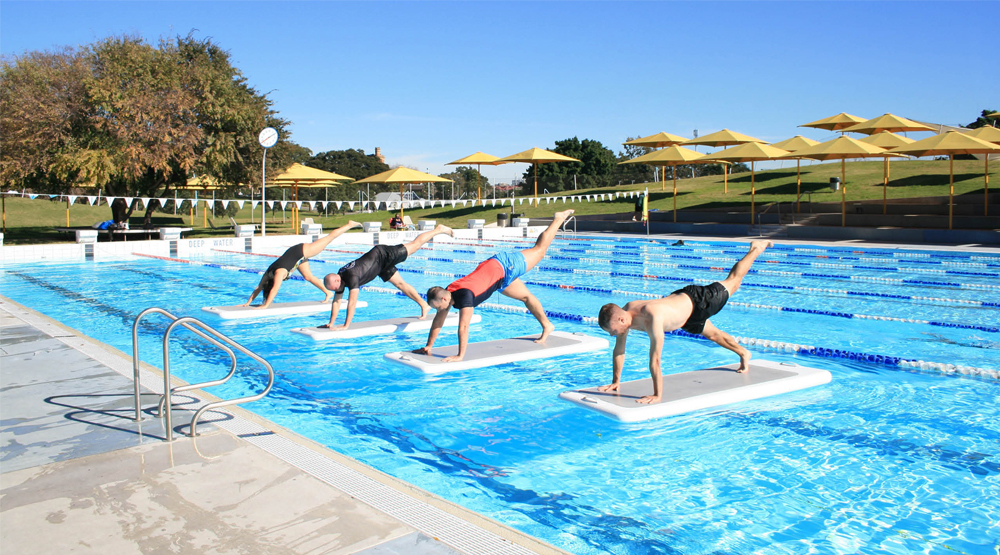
(501, 351)
(381, 327)
(699, 389)
(276, 309)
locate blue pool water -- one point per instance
(882, 460)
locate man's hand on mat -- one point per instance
(649, 399)
(609, 387)
(423, 351)
(454, 358)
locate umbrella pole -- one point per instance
(536, 180)
(663, 180)
(843, 191)
(753, 193)
(798, 183)
(885, 185)
(479, 182)
(951, 187)
(67, 210)
(400, 200)
(675, 197)
(725, 178)
(986, 197)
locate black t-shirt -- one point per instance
(380, 261)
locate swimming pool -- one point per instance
(888, 458)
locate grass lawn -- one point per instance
(31, 221)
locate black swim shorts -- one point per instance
(708, 300)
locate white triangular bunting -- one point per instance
(145, 201)
(225, 204)
(270, 204)
(91, 200)
(253, 204)
(240, 203)
(338, 203)
(350, 205)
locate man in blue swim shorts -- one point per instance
(688, 309)
(500, 273)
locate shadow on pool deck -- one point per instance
(78, 475)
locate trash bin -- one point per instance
(501, 219)
(834, 184)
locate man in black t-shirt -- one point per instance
(380, 261)
(295, 257)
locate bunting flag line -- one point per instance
(91, 200)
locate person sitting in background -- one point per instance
(396, 222)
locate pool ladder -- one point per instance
(568, 220)
(210, 335)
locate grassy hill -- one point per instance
(31, 221)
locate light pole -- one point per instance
(268, 137)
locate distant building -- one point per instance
(378, 154)
(392, 199)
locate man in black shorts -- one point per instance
(688, 309)
(380, 261)
(295, 257)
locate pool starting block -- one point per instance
(381, 327)
(276, 309)
(501, 351)
(699, 389)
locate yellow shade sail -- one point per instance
(988, 134)
(658, 140)
(949, 144)
(200, 183)
(797, 142)
(886, 122)
(835, 123)
(477, 158)
(749, 152)
(671, 155)
(300, 175)
(887, 140)
(536, 156)
(839, 149)
(723, 138)
(404, 175)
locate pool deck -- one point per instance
(78, 475)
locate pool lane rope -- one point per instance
(758, 344)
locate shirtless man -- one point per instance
(499, 273)
(688, 309)
(295, 257)
(380, 261)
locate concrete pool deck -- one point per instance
(78, 475)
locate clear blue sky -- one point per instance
(431, 82)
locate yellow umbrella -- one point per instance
(994, 115)
(478, 159)
(888, 141)
(841, 149)
(950, 143)
(659, 140)
(298, 175)
(535, 156)
(724, 138)
(199, 183)
(990, 135)
(835, 123)
(403, 176)
(886, 122)
(750, 152)
(797, 142)
(671, 156)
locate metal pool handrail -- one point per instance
(568, 220)
(211, 335)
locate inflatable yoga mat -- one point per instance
(699, 389)
(276, 309)
(501, 351)
(381, 327)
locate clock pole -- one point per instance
(268, 137)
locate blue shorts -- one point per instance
(513, 264)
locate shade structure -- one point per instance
(797, 142)
(949, 144)
(535, 156)
(888, 141)
(835, 123)
(671, 156)
(201, 183)
(298, 175)
(841, 149)
(402, 176)
(886, 122)
(750, 152)
(724, 137)
(659, 140)
(478, 159)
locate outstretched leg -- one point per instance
(722, 338)
(535, 254)
(308, 276)
(410, 292)
(316, 247)
(420, 240)
(518, 290)
(740, 269)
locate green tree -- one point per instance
(629, 173)
(352, 163)
(468, 180)
(984, 120)
(132, 118)
(594, 169)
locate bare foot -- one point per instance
(446, 230)
(424, 309)
(560, 217)
(744, 361)
(547, 328)
(760, 245)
